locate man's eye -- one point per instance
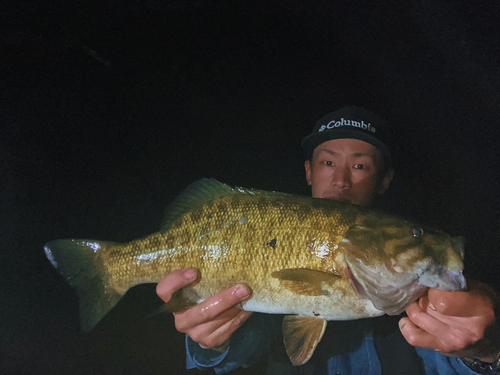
(329, 163)
(359, 166)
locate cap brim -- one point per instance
(310, 142)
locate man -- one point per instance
(452, 332)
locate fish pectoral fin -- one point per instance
(306, 282)
(181, 300)
(301, 335)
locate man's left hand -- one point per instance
(456, 324)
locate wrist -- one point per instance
(489, 365)
(221, 348)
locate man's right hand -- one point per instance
(212, 322)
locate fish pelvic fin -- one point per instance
(182, 300)
(301, 336)
(306, 282)
(82, 264)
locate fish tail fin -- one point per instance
(82, 264)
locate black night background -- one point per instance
(109, 109)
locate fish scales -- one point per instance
(233, 236)
(312, 258)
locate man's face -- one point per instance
(347, 170)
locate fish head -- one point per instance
(393, 261)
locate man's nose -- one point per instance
(341, 178)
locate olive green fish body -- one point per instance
(316, 259)
(244, 238)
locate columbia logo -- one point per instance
(336, 124)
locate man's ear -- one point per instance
(386, 181)
(307, 166)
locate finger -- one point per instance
(220, 337)
(474, 302)
(438, 332)
(215, 305)
(174, 281)
(453, 346)
(415, 336)
(474, 325)
(199, 331)
(418, 315)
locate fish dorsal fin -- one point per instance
(301, 335)
(195, 196)
(306, 282)
(199, 193)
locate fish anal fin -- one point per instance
(182, 300)
(301, 336)
(306, 282)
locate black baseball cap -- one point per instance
(351, 122)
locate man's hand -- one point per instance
(457, 324)
(212, 322)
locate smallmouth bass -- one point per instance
(313, 259)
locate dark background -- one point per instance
(108, 109)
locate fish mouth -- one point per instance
(393, 271)
(446, 280)
(388, 292)
(392, 292)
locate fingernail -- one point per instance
(402, 326)
(190, 274)
(431, 306)
(241, 291)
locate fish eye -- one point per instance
(417, 232)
